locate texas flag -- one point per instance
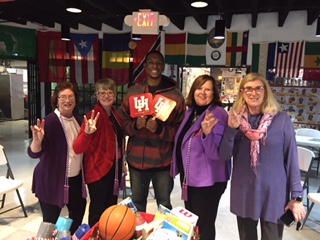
(84, 58)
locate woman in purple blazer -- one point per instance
(203, 175)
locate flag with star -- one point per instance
(311, 69)
(84, 58)
(237, 49)
(289, 59)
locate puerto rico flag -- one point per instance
(84, 58)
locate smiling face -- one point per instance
(204, 94)
(253, 94)
(106, 97)
(154, 67)
(66, 102)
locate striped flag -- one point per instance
(263, 59)
(196, 49)
(237, 48)
(311, 69)
(175, 48)
(52, 57)
(288, 60)
(84, 58)
(146, 44)
(116, 57)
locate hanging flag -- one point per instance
(288, 60)
(263, 59)
(116, 57)
(311, 69)
(17, 43)
(237, 49)
(175, 48)
(52, 57)
(196, 49)
(147, 44)
(84, 58)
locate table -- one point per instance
(308, 142)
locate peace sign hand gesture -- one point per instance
(208, 123)
(234, 119)
(90, 125)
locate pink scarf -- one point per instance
(255, 135)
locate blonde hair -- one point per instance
(269, 105)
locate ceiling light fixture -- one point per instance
(199, 4)
(136, 37)
(219, 29)
(318, 27)
(65, 33)
(74, 6)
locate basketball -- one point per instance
(117, 223)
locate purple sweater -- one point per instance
(206, 167)
(49, 174)
(278, 176)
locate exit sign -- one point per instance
(145, 22)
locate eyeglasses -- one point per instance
(65, 97)
(107, 93)
(249, 90)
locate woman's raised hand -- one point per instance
(234, 119)
(208, 122)
(90, 124)
(38, 130)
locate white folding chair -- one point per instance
(9, 184)
(306, 157)
(312, 133)
(315, 199)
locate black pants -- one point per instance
(76, 205)
(101, 195)
(247, 228)
(204, 202)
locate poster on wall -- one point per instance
(301, 103)
(231, 78)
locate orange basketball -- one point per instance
(117, 223)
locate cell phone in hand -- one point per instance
(287, 218)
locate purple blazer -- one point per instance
(49, 173)
(206, 167)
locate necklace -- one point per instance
(66, 179)
(195, 116)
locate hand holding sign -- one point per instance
(141, 105)
(163, 107)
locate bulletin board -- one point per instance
(301, 103)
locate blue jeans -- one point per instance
(162, 185)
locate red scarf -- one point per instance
(255, 135)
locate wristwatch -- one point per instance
(299, 199)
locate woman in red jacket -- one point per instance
(101, 139)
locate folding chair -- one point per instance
(8, 183)
(306, 158)
(312, 133)
(315, 199)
